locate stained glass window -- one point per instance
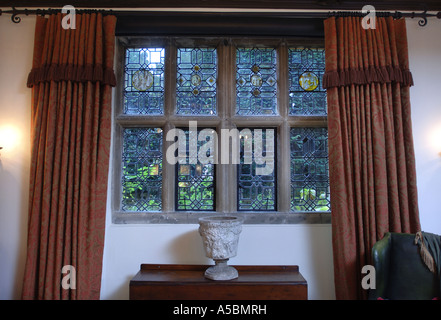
(309, 169)
(196, 81)
(142, 169)
(144, 81)
(256, 174)
(306, 69)
(256, 81)
(195, 179)
(173, 82)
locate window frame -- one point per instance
(225, 118)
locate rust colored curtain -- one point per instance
(71, 82)
(371, 156)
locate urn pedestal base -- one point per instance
(221, 271)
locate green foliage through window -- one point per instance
(142, 169)
(195, 182)
(309, 170)
(257, 191)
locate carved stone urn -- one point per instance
(220, 236)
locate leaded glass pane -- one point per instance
(309, 170)
(195, 181)
(256, 175)
(196, 81)
(142, 169)
(256, 81)
(144, 81)
(306, 69)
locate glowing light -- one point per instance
(435, 138)
(9, 137)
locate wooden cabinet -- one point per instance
(187, 282)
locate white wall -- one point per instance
(15, 104)
(127, 246)
(425, 64)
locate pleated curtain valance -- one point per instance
(78, 55)
(364, 56)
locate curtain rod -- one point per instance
(301, 14)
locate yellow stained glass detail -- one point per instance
(308, 81)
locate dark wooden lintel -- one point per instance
(430, 5)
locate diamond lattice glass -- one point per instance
(256, 81)
(196, 81)
(195, 181)
(144, 81)
(309, 169)
(256, 173)
(142, 169)
(306, 69)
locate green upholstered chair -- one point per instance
(400, 272)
